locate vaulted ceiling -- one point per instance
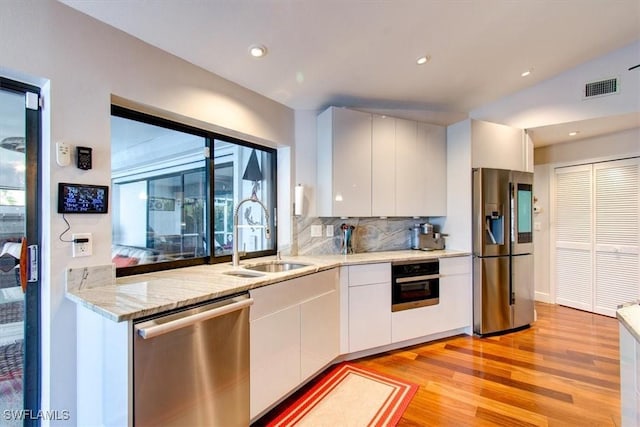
(362, 53)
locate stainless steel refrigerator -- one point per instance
(503, 287)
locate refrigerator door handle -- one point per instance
(512, 294)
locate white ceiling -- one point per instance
(362, 53)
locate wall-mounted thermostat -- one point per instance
(83, 157)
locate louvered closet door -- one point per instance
(617, 234)
(573, 231)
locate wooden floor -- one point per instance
(563, 371)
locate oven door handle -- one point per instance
(416, 278)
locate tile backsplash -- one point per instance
(369, 235)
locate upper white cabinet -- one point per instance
(406, 169)
(344, 163)
(430, 175)
(383, 165)
(499, 146)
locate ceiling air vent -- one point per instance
(601, 87)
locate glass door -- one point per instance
(19, 297)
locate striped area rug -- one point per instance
(350, 396)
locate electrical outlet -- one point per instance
(329, 232)
(82, 244)
(316, 231)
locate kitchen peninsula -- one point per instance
(629, 326)
(337, 288)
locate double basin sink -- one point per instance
(258, 270)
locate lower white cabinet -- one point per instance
(369, 306)
(456, 292)
(319, 333)
(369, 316)
(275, 357)
(629, 377)
(294, 334)
(453, 311)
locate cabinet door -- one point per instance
(497, 146)
(320, 333)
(616, 187)
(274, 357)
(455, 301)
(409, 189)
(351, 160)
(383, 178)
(369, 316)
(432, 156)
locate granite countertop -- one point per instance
(629, 316)
(142, 295)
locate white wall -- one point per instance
(559, 100)
(82, 65)
(620, 144)
(541, 242)
(458, 221)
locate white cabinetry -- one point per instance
(456, 291)
(499, 146)
(383, 179)
(431, 171)
(409, 168)
(344, 163)
(319, 332)
(369, 294)
(451, 315)
(393, 167)
(294, 334)
(629, 377)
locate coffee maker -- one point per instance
(425, 238)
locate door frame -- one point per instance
(32, 380)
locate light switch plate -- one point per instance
(316, 231)
(82, 244)
(329, 232)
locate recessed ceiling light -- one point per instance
(423, 59)
(574, 133)
(525, 73)
(257, 50)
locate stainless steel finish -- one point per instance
(415, 237)
(503, 255)
(235, 258)
(412, 276)
(410, 262)
(155, 328)
(417, 278)
(243, 273)
(491, 212)
(193, 366)
(276, 266)
(426, 228)
(414, 304)
(523, 295)
(431, 241)
(492, 311)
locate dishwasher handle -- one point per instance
(164, 328)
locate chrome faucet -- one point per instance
(235, 259)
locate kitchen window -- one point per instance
(174, 192)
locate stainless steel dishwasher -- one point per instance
(191, 367)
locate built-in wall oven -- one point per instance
(414, 284)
